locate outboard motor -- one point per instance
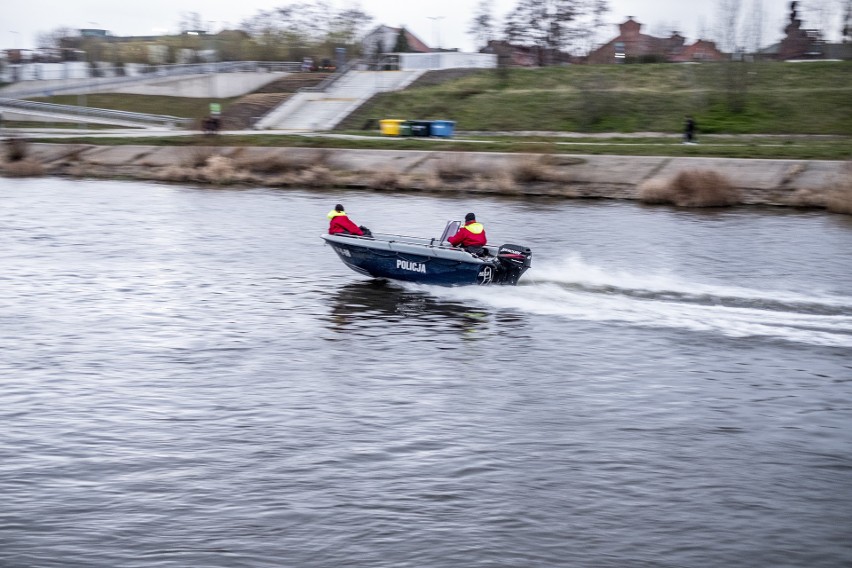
(514, 261)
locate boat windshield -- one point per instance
(451, 229)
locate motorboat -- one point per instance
(430, 260)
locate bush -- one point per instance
(455, 168)
(23, 168)
(285, 164)
(385, 179)
(16, 149)
(691, 188)
(839, 198)
(532, 169)
(197, 157)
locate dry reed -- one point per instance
(691, 188)
(835, 196)
(285, 164)
(532, 169)
(385, 179)
(26, 167)
(220, 170)
(197, 157)
(455, 169)
(16, 149)
(839, 198)
(317, 176)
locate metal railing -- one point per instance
(323, 85)
(160, 71)
(94, 113)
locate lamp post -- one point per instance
(436, 24)
(16, 69)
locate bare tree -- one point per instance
(54, 39)
(735, 71)
(820, 13)
(552, 25)
(304, 28)
(754, 27)
(191, 21)
(482, 25)
(727, 24)
(348, 24)
(597, 10)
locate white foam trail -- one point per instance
(574, 270)
(549, 295)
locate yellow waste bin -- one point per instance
(390, 126)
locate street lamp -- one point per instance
(436, 21)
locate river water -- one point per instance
(190, 377)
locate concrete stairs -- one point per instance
(317, 111)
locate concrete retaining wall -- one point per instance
(211, 86)
(770, 182)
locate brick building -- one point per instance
(800, 43)
(632, 45)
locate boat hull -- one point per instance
(411, 261)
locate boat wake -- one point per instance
(577, 290)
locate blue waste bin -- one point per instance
(421, 127)
(443, 128)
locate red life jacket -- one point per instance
(340, 223)
(471, 235)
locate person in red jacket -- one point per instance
(339, 222)
(471, 236)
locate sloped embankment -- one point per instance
(244, 112)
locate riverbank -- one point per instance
(804, 183)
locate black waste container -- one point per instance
(421, 128)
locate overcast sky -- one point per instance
(442, 23)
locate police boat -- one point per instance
(430, 260)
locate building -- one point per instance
(511, 55)
(632, 45)
(383, 39)
(800, 43)
(701, 50)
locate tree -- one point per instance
(348, 24)
(401, 45)
(596, 9)
(735, 70)
(552, 25)
(56, 38)
(307, 28)
(190, 22)
(821, 13)
(482, 25)
(728, 20)
(754, 27)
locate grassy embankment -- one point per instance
(805, 109)
(735, 98)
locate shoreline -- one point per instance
(798, 183)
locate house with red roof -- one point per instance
(384, 39)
